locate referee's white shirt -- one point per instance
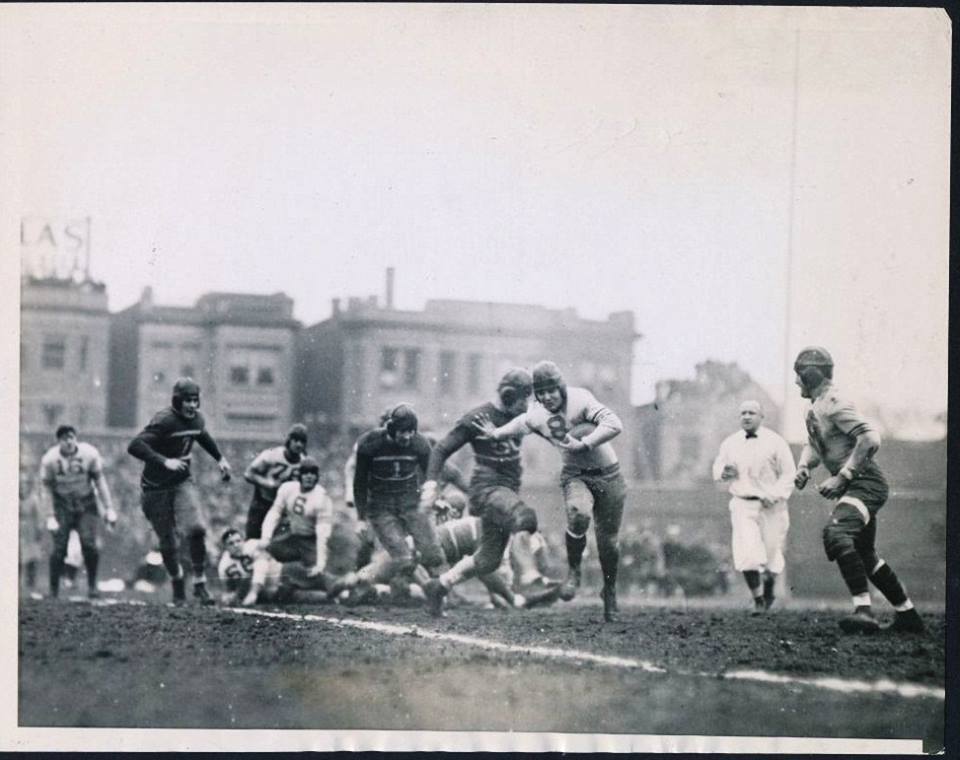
(764, 464)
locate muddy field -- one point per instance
(154, 665)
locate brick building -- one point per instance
(449, 357)
(64, 328)
(238, 347)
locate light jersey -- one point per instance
(273, 463)
(581, 406)
(525, 552)
(71, 476)
(307, 512)
(833, 424)
(459, 538)
(236, 572)
(765, 467)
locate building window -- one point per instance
(474, 372)
(240, 375)
(389, 364)
(446, 372)
(265, 376)
(82, 415)
(159, 377)
(54, 353)
(52, 413)
(84, 348)
(411, 368)
(187, 371)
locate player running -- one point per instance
(270, 469)
(169, 496)
(845, 443)
(494, 485)
(386, 491)
(309, 511)
(590, 478)
(72, 475)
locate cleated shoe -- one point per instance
(435, 593)
(201, 594)
(908, 621)
(759, 606)
(569, 588)
(609, 596)
(179, 590)
(768, 597)
(861, 621)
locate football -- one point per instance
(581, 430)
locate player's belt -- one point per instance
(749, 498)
(595, 472)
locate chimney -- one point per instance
(390, 273)
(336, 307)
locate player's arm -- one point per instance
(609, 425)
(349, 468)
(720, 464)
(210, 446)
(256, 473)
(323, 528)
(517, 426)
(361, 475)
(451, 443)
(103, 491)
(144, 446)
(809, 459)
(847, 419)
(272, 520)
(46, 497)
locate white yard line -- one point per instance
(843, 685)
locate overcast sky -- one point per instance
(600, 157)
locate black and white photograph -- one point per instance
(514, 377)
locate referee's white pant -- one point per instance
(759, 534)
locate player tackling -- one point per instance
(590, 478)
(845, 443)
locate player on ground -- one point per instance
(270, 469)
(386, 491)
(590, 478)
(169, 496)
(758, 466)
(845, 443)
(309, 510)
(235, 567)
(72, 474)
(494, 485)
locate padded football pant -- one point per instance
(79, 515)
(175, 513)
(601, 494)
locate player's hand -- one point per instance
(52, 525)
(802, 477)
(833, 487)
(225, 470)
(428, 494)
(110, 517)
(730, 472)
(314, 571)
(572, 445)
(484, 425)
(175, 464)
(767, 501)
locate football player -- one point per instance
(494, 486)
(169, 496)
(386, 490)
(845, 443)
(309, 511)
(72, 474)
(590, 478)
(270, 469)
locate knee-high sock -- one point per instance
(459, 572)
(853, 572)
(889, 585)
(91, 560)
(609, 554)
(575, 547)
(198, 554)
(752, 577)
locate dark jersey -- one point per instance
(386, 472)
(496, 463)
(169, 436)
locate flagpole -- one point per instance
(788, 285)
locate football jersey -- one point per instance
(581, 406)
(304, 511)
(386, 471)
(273, 463)
(527, 553)
(496, 463)
(833, 424)
(233, 569)
(459, 538)
(169, 435)
(71, 476)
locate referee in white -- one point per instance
(758, 465)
